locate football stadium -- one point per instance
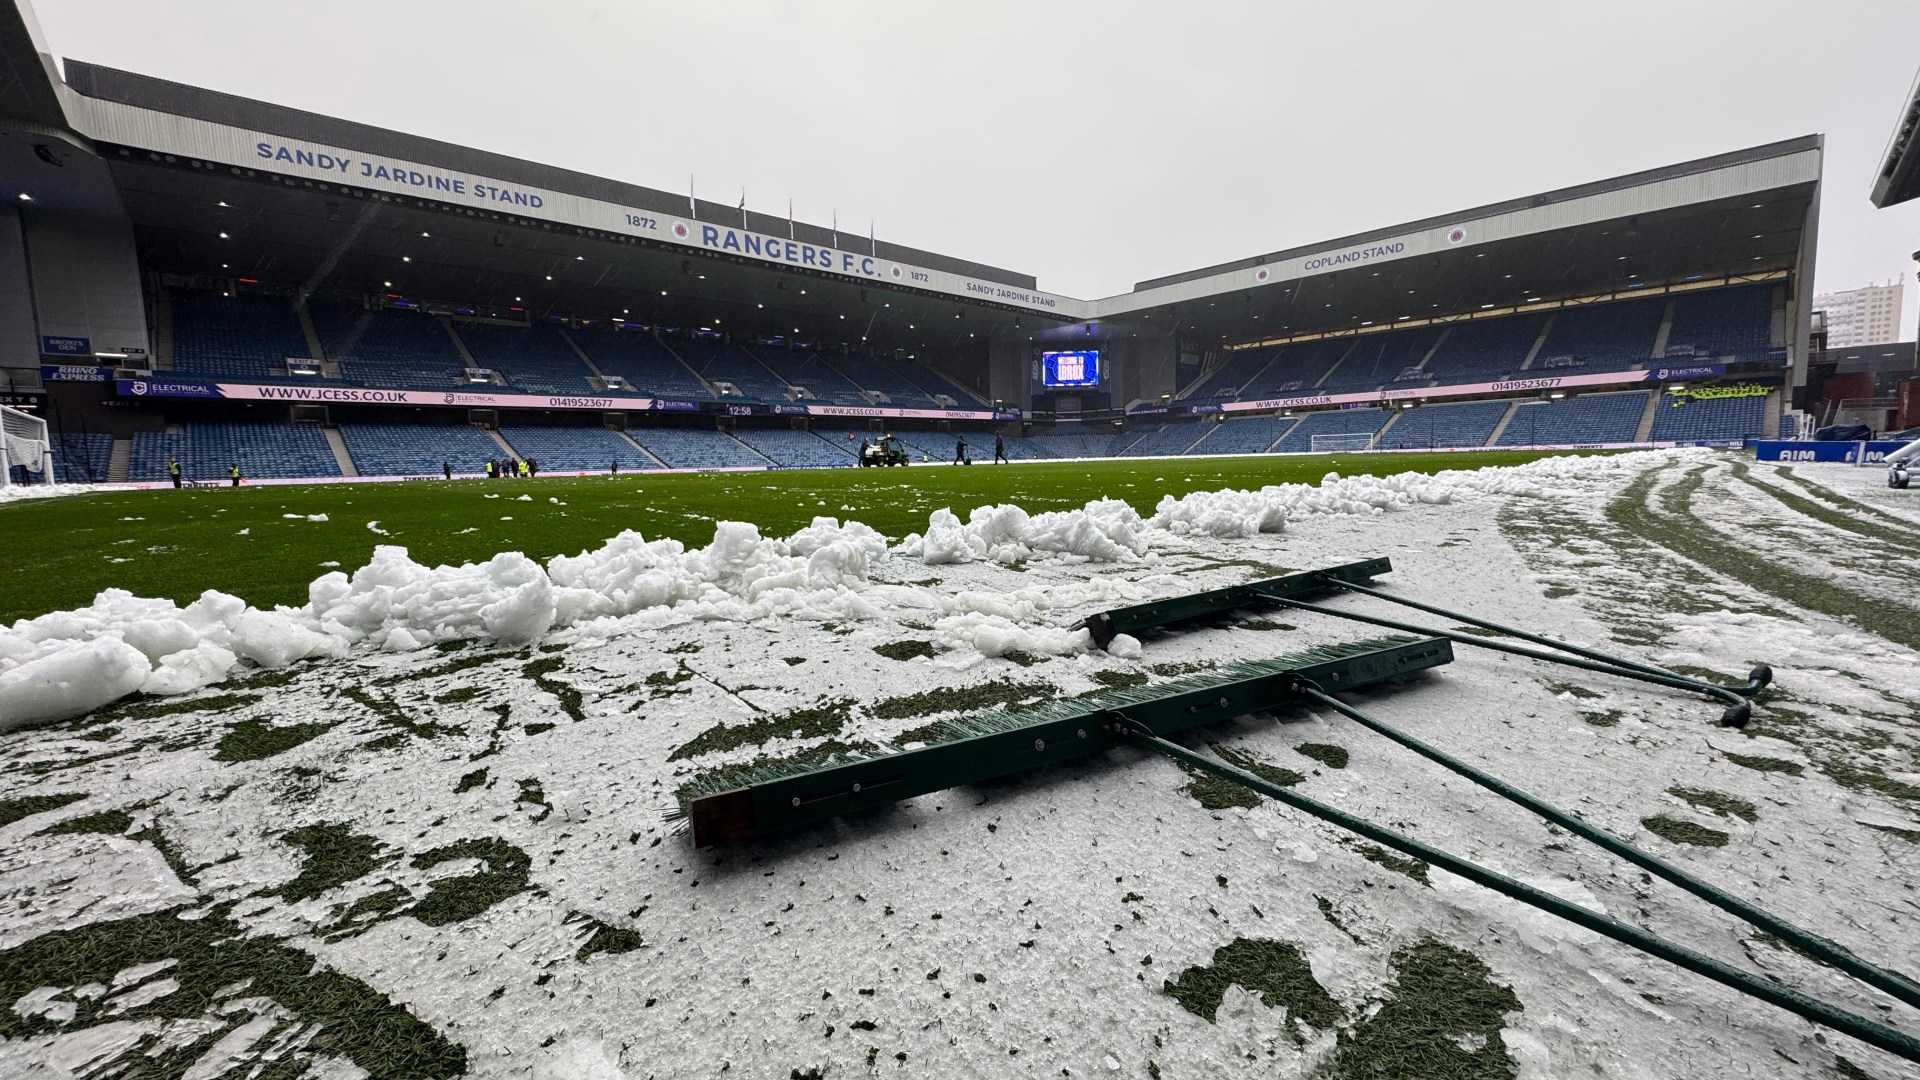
(469, 617)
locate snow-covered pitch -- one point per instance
(415, 827)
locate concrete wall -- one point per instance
(86, 277)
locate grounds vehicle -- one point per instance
(1901, 464)
(888, 451)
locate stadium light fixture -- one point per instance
(387, 284)
(223, 236)
(549, 277)
(663, 292)
(222, 202)
(406, 258)
(425, 235)
(517, 300)
(576, 258)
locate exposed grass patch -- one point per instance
(1441, 1021)
(1911, 836)
(1265, 625)
(1606, 718)
(469, 781)
(1275, 970)
(12, 810)
(105, 823)
(794, 661)
(389, 712)
(1119, 680)
(826, 718)
(1858, 523)
(460, 694)
(331, 856)
(1766, 764)
(450, 900)
(905, 649)
(1024, 659)
(662, 684)
(1719, 802)
(153, 710)
(1399, 864)
(991, 695)
(1576, 690)
(532, 794)
(1683, 832)
(1852, 774)
(255, 739)
(602, 938)
(541, 672)
(1175, 670)
(1333, 919)
(353, 1020)
(1218, 793)
(450, 667)
(1334, 757)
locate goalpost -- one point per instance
(23, 442)
(1322, 444)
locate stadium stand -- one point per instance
(717, 361)
(1230, 377)
(642, 361)
(1484, 350)
(802, 368)
(1249, 435)
(1164, 440)
(1335, 422)
(533, 358)
(1588, 418)
(1022, 449)
(573, 448)
(1296, 368)
(899, 386)
(1378, 360)
(1603, 337)
(1734, 324)
(392, 349)
(418, 449)
(234, 337)
(1470, 424)
(81, 458)
(793, 449)
(1684, 418)
(1078, 441)
(206, 449)
(693, 448)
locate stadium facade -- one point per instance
(186, 272)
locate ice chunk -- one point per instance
(70, 680)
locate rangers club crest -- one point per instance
(1457, 235)
(897, 272)
(1262, 274)
(681, 231)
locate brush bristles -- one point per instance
(732, 777)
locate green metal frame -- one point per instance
(1193, 607)
(998, 744)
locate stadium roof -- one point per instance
(219, 186)
(1899, 177)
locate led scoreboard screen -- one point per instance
(1070, 369)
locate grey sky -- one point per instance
(1090, 143)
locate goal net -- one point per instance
(1324, 443)
(23, 442)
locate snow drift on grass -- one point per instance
(70, 662)
(13, 492)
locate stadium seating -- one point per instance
(1588, 418)
(1079, 441)
(1025, 449)
(719, 362)
(897, 382)
(535, 359)
(571, 449)
(694, 448)
(1296, 369)
(1378, 359)
(798, 449)
(1734, 324)
(1334, 422)
(391, 349)
(1681, 418)
(1484, 350)
(1603, 337)
(1228, 380)
(1163, 440)
(1470, 424)
(81, 458)
(803, 368)
(418, 449)
(206, 449)
(234, 337)
(642, 361)
(1249, 435)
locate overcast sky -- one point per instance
(1092, 144)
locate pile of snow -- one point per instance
(70, 662)
(11, 492)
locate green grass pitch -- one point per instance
(176, 544)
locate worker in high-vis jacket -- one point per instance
(233, 475)
(173, 471)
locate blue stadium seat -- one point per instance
(418, 449)
(1377, 360)
(694, 448)
(571, 449)
(805, 368)
(1484, 350)
(391, 349)
(234, 337)
(798, 449)
(1469, 424)
(719, 362)
(648, 366)
(206, 448)
(1679, 418)
(1296, 369)
(1733, 324)
(81, 458)
(1165, 440)
(1603, 337)
(1587, 418)
(535, 359)
(1245, 435)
